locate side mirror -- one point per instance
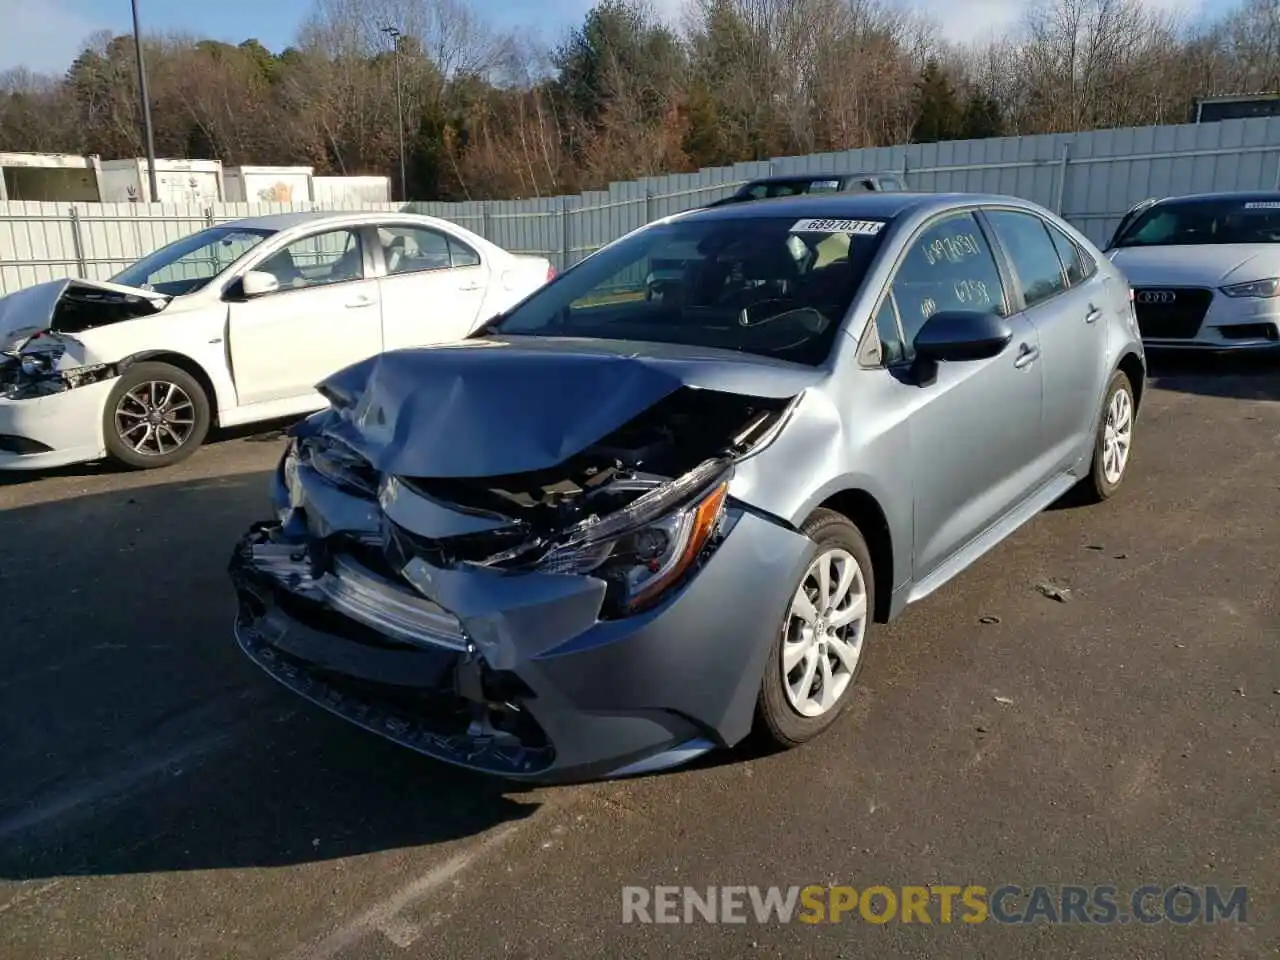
(257, 282)
(955, 335)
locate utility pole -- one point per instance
(394, 34)
(146, 107)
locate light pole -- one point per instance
(146, 107)
(394, 34)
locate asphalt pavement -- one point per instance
(159, 797)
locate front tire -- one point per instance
(156, 416)
(818, 651)
(1113, 443)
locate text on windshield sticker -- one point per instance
(858, 227)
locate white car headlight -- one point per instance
(1254, 288)
(647, 546)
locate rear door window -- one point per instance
(1025, 238)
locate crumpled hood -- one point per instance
(36, 308)
(1210, 264)
(498, 406)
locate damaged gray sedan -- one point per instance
(658, 504)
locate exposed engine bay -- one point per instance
(618, 509)
(37, 369)
(41, 355)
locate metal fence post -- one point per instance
(648, 206)
(77, 241)
(486, 222)
(1062, 178)
(564, 233)
(209, 218)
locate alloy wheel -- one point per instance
(1117, 436)
(825, 629)
(155, 418)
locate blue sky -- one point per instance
(47, 36)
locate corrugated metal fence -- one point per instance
(1091, 178)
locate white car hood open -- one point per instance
(1198, 265)
(71, 306)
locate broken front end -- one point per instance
(606, 616)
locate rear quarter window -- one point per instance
(1077, 264)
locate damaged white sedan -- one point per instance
(233, 325)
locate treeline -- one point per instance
(627, 94)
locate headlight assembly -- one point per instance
(646, 547)
(1254, 288)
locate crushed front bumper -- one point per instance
(54, 430)
(515, 674)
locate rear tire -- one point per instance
(1113, 441)
(156, 416)
(819, 648)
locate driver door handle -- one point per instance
(1027, 355)
(360, 301)
(470, 286)
(1094, 314)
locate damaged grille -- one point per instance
(483, 548)
(344, 585)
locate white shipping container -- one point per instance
(48, 177)
(177, 181)
(339, 190)
(267, 184)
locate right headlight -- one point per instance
(645, 548)
(1254, 288)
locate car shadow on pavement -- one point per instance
(136, 736)
(1238, 376)
(262, 432)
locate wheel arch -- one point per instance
(863, 510)
(1131, 366)
(183, 363)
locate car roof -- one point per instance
(823, 175)
(853, 206)
(288, 221)
(1244, 196)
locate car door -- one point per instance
(322, 316)
(974, 429)
(1067, 309)
(433, 285)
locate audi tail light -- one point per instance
(551, 273)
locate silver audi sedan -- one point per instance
(660, 503)
(1205, 270)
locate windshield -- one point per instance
(773, 286)
(190, 263)
(1236, 220)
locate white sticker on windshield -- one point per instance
(862, 227)
(1263, 205)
